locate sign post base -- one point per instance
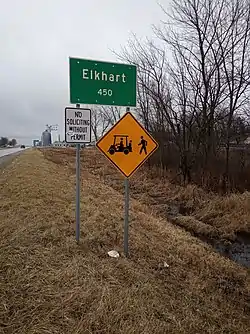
(126, 216)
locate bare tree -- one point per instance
(193, 82)
(210, 39)
(4, 141)
(191, 37)
(112, 113)
(99, 122)
(233, 39)
(103, 118)
(13, 142)
(153, 93)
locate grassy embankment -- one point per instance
(200, 212)
(49, 284)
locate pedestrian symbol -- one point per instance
(127, 144)
(143, 144)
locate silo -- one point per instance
(46, 138)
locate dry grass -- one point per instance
(49, 284)
(203, 213)
(229, 214)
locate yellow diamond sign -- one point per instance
(127, 144)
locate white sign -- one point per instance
(77, 125)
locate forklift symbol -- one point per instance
(124, 145)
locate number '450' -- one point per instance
(104, 92)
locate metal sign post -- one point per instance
(126, 216)
(78, 148)
(114, 84)
(77, 131)
(127, 145)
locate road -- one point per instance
(7, 155)
(8, 151)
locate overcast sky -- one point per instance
(36, 39)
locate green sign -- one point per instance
(96, 82)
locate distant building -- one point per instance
(36, 142)
(46, 138)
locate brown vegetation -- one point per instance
(49, 284)
(201, 212)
